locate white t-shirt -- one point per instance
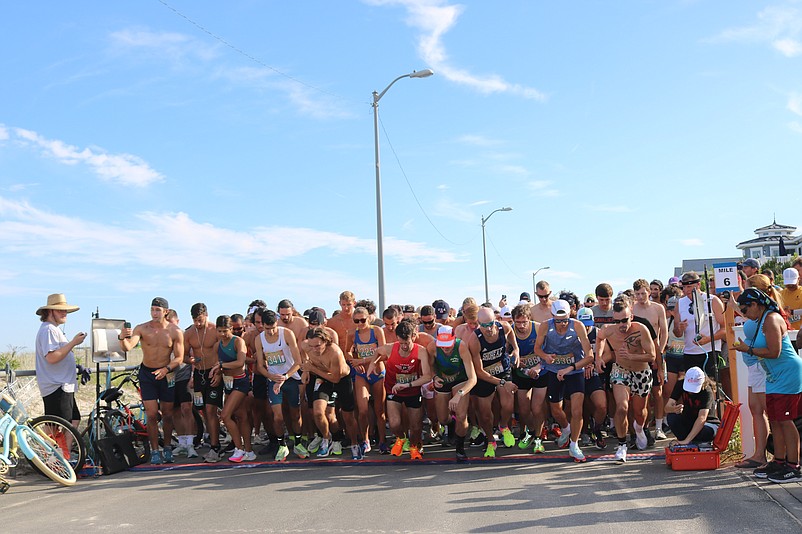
(691, 347)
(51, 376)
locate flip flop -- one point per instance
(748, 464)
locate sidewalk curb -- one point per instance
(787, 496)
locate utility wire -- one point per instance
(517, 275)
(251, 57)
(404, 174)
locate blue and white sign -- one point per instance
(726, 276)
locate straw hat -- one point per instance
(57, 301)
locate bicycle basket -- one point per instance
(21, 392)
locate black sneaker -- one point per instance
(765, 470)
(649, 438)
(784, 474)
(601, 444)
(269, 450)
(480, 441)
(230, 447)
(461, 456)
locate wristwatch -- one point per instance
(461, 393)
(502, 382)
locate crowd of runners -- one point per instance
(615, 371)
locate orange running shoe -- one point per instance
(415, 453)
(398, 447)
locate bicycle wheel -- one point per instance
(116, 423)
(61, 434)
(45, 457)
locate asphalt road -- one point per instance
(597, 497)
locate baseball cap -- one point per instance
(160, 302)
(409, 308)
(751, 262)
(560, 308)
(590, 297)
(694, 380)
(790, 276)
(506, 312)
(316, 316)
(671, 303)
(525, 296)
(445, 337)
(673, 281)
(441, 309)
(585, 315)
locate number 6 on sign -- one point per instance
(726, 276)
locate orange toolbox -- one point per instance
(707, 460)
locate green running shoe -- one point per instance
(538, 447)
(506, 435)
(490, 452)
(525, 441)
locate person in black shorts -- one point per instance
(182, 407)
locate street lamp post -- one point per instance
(534, 274)
(379, 239)
(484, 248)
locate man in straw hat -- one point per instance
(55, 361)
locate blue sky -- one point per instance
(223, 151)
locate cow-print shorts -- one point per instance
(638, 382)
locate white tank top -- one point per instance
(278, 356)
(691, 347)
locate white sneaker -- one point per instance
(660, 434)
(621, 453)
(179, 451)
(212, 457)
(237, 456)
(314, 445)
(336, 448)
(641, 441)
(191, 452)
(576, 453)
(250, 456)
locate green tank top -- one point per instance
(449, 367)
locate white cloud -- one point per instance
(795, 103)
(478, 140)
(542, 188)
(4, 135)
(20, 187)
(171, 238)
(788, 47)
(478, 203)
(779, 26)
(171, 45)
(442, 187)
(125, 169)
(692, 242)
(795, 127)
(434, 18)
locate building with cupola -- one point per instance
(772, 241)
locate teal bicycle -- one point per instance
(16, 434)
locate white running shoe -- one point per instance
(641, 441)
(249, 456)
(660, 434)
(179, 451)
(621, 453)
(191, 452)
(576, 453)
(336, 447)
(212, 457)
(314, 445)
(237, 456)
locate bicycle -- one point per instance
(16, 433)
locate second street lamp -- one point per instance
(534, 274)
(484, 248)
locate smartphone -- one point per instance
(504, 297)
(126, 324)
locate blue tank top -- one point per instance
(750, 328)
(784, 373)
(227, 353)
(495, 359)
(566, 346)
(365, 349)
(526, 349)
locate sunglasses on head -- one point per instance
(361, 321)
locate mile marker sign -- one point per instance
(726, 276)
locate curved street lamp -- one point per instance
(484, 248)
(425, 73)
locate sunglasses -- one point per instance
(547, 295)
(487, 325)
(314, 324)
(690, 283)
(620, 321)
(361, 321)
(428, 323)
(561, 321)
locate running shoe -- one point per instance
(506, 435)
(191, 452)
(281, 454)
(461, 456)
(621, 453)
(659, 434)
(576, 453)
(474, 432)
(168, 455)
(398, 447)
(585, 440)
(212, 457)
(230, 447)
(300, 451)
(786, 473)
(366, 447)
(649, 438)
(314, 445)
(356, 452)
(415, 453)
(324, 448)
(490, 452)
(556, 431)
(156, 458)
(337, 447)
(406, 444)
(538, 447)
(479, 441)
(249, 456)
(181, 450)
(269, 449)
(601, 444)
(526, 441)
(544, 434)
(562, 441)
(239, 455)
(764, 471)
(445, 437)
(383, 448)
(641, 441)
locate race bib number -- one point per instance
(495, 369)
(618, 373)
(363, 351)
(275, 358)
(402, 378)
(528, 362)
(447, 379)
(676, 347)
(563, 359)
